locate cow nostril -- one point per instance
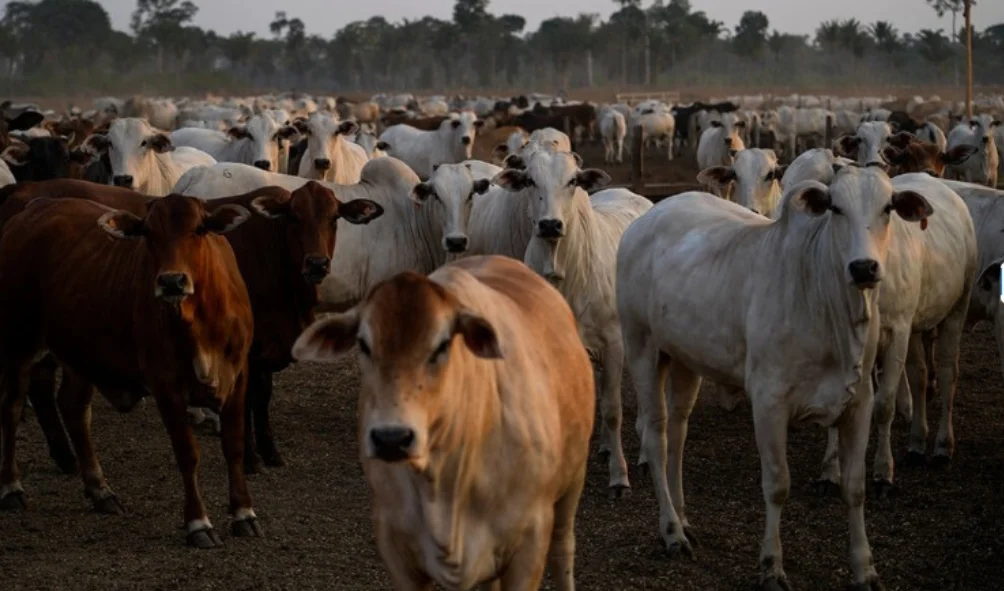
(322, 163)
(456, 243)
(465, 140)
(864, 271)
(123, 180)
(172, 284)
(391, 444)
(263, 164)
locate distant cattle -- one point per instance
(450, 143)
(254, 142)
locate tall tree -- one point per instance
(162, 21)
(751, 34)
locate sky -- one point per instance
(324, 17)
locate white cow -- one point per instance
(143, 158)
(255, 142)
(807, 280)
(718, 144)
(866, 144)
(817, 164)
(755, 175)
(330, 155)
(574, 245)
(658, 125)
(929, 132)
(613, 130)
(453, 188)
(421, 150)
(370, 144)
(982, 167)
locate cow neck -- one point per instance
(160, 174)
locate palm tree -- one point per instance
(828, 35)
(885, 35)
(933, 46)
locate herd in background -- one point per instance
(862, 259)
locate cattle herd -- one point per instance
(187, 250)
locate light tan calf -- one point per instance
(475, 414)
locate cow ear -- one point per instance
(512, 179)
(421, 192)
(811, 197)
(359, 211)
(894, 155)
(958, 154)
(717, 176)
(479, 335)
(902, 139)
(80, 156)
(481, 186)
(591, 179)
(328, 338)
(286, 131)
(846, 146)
(238, 132)
(121, 224)
(479, 124)
(159, 143)
(300, 124)
(97, 143)
(348, 128)
(911, 206)
(272, 206)
(990, 275)
(740, 124)
(16, 154)
(226, 218)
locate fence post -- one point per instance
(566, 125)
(637, 159)
(828, 137)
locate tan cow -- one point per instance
(475, 414)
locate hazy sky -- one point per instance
(323, 17)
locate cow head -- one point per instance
(39, 158)
(324, 133)
(866, 144)
(462, 128)
(413, 337)
(756, 175)
(730, 125)
(263, 136)
(311, 214)
(16, 120)
(131, 146)
(918, 156)
(855, 211)
(177, 232)
(452, 187)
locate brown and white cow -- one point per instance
(129, 305)
(906, 153)
(475, 413)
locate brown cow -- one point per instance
(905, 153)
(283, 253)
(475, 412)
(487, 145)
(167, 314)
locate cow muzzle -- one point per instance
(263, 164)
(392, 444)
(455, 244)
(322, 163)
(550, 228)
(123, 180)
(315, 268)
(172, 287)
(985, 140)
(728, 142)
(865, 273)
(466, 140)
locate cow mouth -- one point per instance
(314, 277)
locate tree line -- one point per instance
(60, 47)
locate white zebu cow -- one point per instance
(421, 150)
(807, 280)
(657, 125)
(143, 158)
(718, 144)
(981, 167)
(370, 144)
(817, 164)
(928, 278)
(931, 133)
(866, 144)
(613, 130)
(574, 246)
(755, 176)
(330, 155)
(255, 142)
(409, 238)
(454, 187)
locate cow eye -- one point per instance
(836, 210)
(571, 183)
(440, 350)
(364, 348)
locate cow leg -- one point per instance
(526, 569)
(199, 529)
(75, 396)
(853, 450)
(245, 522)
(561, 556)
(929, 338)
(42, 394)
(613, 411)
(403, 576)
(916, 371)
(770, 422)
(947, 358)
(620, 151)
(893, 363)
(829, 482)
(15, 381)
(684, 385)
(904, 399)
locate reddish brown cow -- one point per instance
(906, 154)
(130, 305)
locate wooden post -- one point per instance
(969, 59)
(566, 126)
(828, 137)
(637, 159)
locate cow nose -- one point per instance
(263, 164)
(172, 284)
(728, 142)
(467, 141)
(322, 163)
(392, 444)
(550, 228)
(456, 243)
(864, 272)
(986, 140)
(122, 180)
(315, 268)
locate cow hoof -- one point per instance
(13, 502)
(882, 489)
(941, 462)
(246, 528)
(774, 583)
(826, 488)
(204, 539)
(678, 548)
(273, 459)
(872, 584)
(691, 537)
(618, 491)
(108, 505)
(914, 459)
